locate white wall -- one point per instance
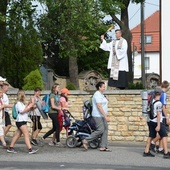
(153, 67)
(165, 36)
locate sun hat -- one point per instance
(65, 90)
(2, 79)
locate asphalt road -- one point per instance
(124, 156)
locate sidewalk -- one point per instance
(123, 155)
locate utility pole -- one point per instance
(142, 47)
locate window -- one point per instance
(147, 39)
(147, 63)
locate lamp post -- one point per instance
(142, 47)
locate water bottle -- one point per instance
(144, 102)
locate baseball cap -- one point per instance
(158, 91)
(65, 90)
(2, 79)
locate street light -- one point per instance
(142, 47)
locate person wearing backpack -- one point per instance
(53, 114)
(35, 115)
(21, 122)
(163, 99)
(156, 126)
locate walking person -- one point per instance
(2, 121)
(118, 60)
(64, 106)
(156, 126)
(21, 122)
(5, 99)
(53, 114)
(166, 121)
(99, 113)
(35, 115)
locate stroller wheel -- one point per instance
(94, 144)
(71, 142)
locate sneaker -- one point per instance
(32, 151)
(11, 150)
(41, 142)
(167, 155)
(148, 154)
(160, 152)
(152, 147)
(51, 143)
(34, 142)
(59, 144)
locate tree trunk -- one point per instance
(3, 7)
(73, 71)
(128, 36)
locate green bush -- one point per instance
(33, 80)
(137, 85)
(71, 86)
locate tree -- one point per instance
(3, 7)
(22, 51)
(73, 25)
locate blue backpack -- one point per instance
(47, 106)
(14, 112)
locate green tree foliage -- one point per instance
(74, 25)
(3, 7)
(33, 80)
(22, 51)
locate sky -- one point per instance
(150, 7)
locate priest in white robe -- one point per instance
(118, 60)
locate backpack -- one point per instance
(14, 112)
(46, 107)
(66, 119)
(87, 109)
(150, 108)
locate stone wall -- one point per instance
(125, 112)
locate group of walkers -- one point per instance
(58, 103)
(157, 126)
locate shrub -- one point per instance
(71, 86)
(137, 85)
(33, 80)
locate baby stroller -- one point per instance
(82, 128)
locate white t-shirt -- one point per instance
(157, 108)
(5, 100)
(99, 98)
(21, 117)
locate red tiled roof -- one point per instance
(151, 28)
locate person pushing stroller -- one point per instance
(99, 113)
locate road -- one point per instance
(124, 156)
